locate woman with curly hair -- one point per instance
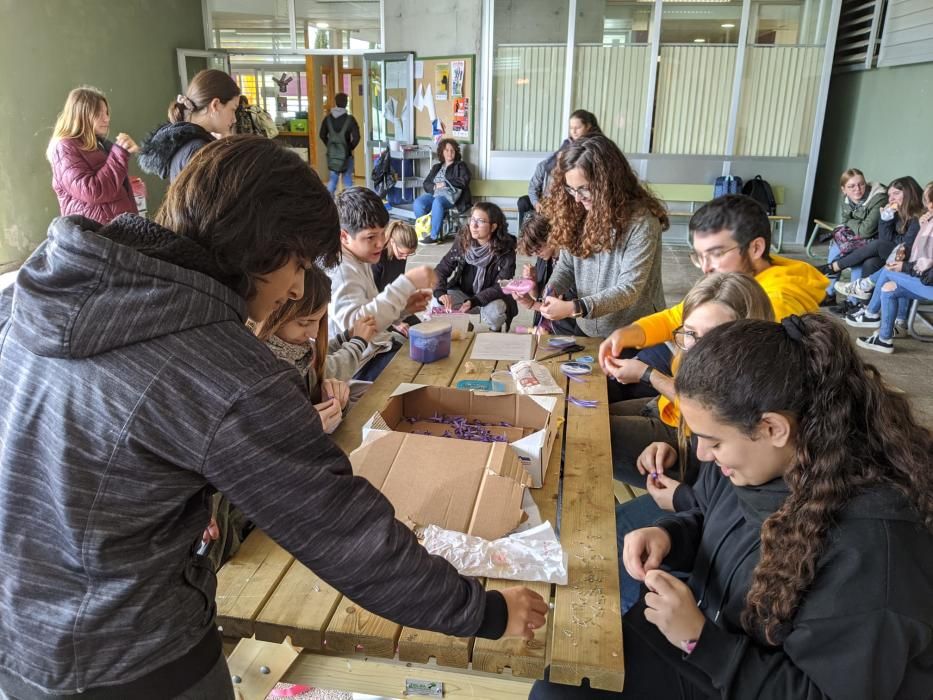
(608, 227)
(468, 275)
(811, 550)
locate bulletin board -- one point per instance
(453, 91)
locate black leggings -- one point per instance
(871, 256)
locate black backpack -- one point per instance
(759, 190)
(384, 178)
(338, 152)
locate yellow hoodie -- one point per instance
(794, 287)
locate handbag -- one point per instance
(847, 240)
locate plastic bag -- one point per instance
(533, 378)
(423, 226)
(531, 555)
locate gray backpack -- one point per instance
(337, 150)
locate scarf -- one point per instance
(302, 356)
(921, 252)
(479, 256)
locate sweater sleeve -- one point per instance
(344, 358)
(659, 327)
(85, 183)
(536, 184)
(350, 300)
(271, 442)
(562, 277)
(638, 255)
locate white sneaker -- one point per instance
(863, 319)
(860, 288)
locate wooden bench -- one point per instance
(264, 591)
(818, 225)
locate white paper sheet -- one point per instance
(513, 347)
(429, 102)
(419, 70)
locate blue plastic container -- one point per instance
(430, 341)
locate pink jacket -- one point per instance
(92, 183)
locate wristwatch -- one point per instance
(646, 375)
(579, 309)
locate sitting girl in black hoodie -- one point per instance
(811, 564)
(468, 275)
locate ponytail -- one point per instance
(852, 433)
(204, 87)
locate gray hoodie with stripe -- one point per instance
(130, 389)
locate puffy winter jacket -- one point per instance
(92, 183)
(169, 148)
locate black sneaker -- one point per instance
(825, 269)
(873, 342)
(828, 300)
(845, 308)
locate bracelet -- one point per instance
(688, 645)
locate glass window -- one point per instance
(529, 62)
(338, 25)
(612, 61)
(695, 76)
(256, 25)
(781, 79)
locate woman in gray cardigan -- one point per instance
(609, 226)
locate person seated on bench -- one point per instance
(582, 123)
(896, 286)
(533, 240)
(898, 221)
(447, 186)
(401, 244)
(810, 562)
(728, 234)
(608, 227)
(468, 275)
(861, 211)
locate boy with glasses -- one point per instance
(728, 234)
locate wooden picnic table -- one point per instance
(266, 598)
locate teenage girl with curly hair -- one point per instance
(610, 226)
(811, 550)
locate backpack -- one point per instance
(759, 190)
(337, 149)
(727, 184)
(384, 178)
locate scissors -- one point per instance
(564, 351)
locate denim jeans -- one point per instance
(856, 271)
(347, 177)
(438, 207)
(895, 304)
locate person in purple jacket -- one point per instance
(131, 390)
(89, 173)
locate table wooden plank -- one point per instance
(300, 608)
(527, 659)
(246, 582)
(587, 629)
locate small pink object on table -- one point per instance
(517, 286)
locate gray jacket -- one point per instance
(619, 285)
(130, 389)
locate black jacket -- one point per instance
(169, 147)
(387, 269)
(887, 231)
(864, 629)
(453, 272)
(458, 175)
(353, 131)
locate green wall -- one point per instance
(124, 47)
(879, 122)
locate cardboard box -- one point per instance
(531, 436)
(472, 487)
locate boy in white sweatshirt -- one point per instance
(363, 218)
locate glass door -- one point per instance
(388, 112)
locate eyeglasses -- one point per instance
(478, 222)
(685, 339)
(713, 256)
(399, 252)
(584, 192)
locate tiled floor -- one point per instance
(910, 368)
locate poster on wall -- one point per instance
(457, 70)
(460, 127)
(441, 81)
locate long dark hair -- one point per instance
(852, 433)
(204, 87)
(252, 205)
(619, 199)
(501, 241)
(912, 206)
